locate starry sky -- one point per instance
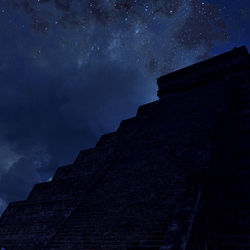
(71, 70)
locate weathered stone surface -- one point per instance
(176, 176)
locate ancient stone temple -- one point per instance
(176, 176)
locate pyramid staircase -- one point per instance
(50, 203)
(223, 220)
(175, 176)
(234, 216)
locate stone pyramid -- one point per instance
(176, 176)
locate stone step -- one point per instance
(87, 235)
(110, 247)
(243, 93)
(241, 144)
(29, 214)
(242, 131)
(243, 88)
(242, 168)
(136, 239)
(155, 231)
(240, 240)
(58, 190)
(65, 187)
(146, 109)
(243, 107)
(74, 172)
(22, 244)
(241, 103)
(104, 245)
(98, 154)
(151, 234)
(107, 144)
(107, 139)
(83, 156)
(21, 204)
(242, 114)
(128, 125)
(63, 172)
(234, 247)
(242, 158)
(120, 135)
(145, 239)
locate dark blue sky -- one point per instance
(71, 70)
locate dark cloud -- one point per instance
(17, 181)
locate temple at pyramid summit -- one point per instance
(176, 176)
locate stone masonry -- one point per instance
(176, 176)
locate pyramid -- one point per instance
(176, 176)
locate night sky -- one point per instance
(71, 70)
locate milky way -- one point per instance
(151, 34)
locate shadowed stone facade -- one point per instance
(176, 176)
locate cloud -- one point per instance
(3, 205)
(17, 181)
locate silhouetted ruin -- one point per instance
(176, 176)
